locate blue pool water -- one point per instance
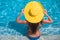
(10, 9)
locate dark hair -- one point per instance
(33, 27)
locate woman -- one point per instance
(33, 32)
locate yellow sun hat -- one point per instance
(33, 12)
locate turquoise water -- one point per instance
(10, 9)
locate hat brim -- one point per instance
(39, 11)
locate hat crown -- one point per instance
(32, 12)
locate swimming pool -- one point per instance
(10, 9)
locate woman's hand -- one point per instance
(22, 11)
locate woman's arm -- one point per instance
(49, 18)
(21, 21)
